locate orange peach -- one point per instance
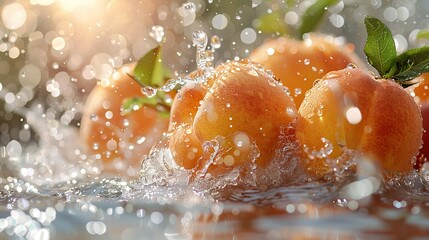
(423, 155)
(298, 63)
(242, 107)
(353, 110)
(108, 133)
(186, 103)
(185, 147)
(421, 90)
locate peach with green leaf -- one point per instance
(118, 121)
(352, 109)
(298, 63)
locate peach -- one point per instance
(421, 95)
(423, 155)
(242, 107)
(109, 134)
(298, 63)
(421, 90)
(352, 110)
(185, 147)
(186, 103)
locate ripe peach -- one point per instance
(421, 90)
(421, 96)
(242, 106)
(298, 63)
(109, 134)
(423, 155)
(186, 103)
(185, 146)
(352, 110)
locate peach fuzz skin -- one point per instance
(388, 131)
(242, 106)
(420, 92)
(113, 132)
(297, 64)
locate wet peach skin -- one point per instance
(241, 105)
(125, 138)
(297, 64)
(388, 130)
(421, 96)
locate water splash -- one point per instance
(204, 60)
(212, 174)
(157, 33)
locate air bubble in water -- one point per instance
(199, 38)
(157, 33)
(189, 7)
(93, 117)
(290, 112)
(325, 151)
(149, 91)
(209, 56)
(215, 42)
(306, 61)
(351, 66)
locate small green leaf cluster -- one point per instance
(273, 22)
(150, 72)
(381, 53)
(314, 14)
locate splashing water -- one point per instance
(159, 166)
(157, 33)
(53, 190)
(204, 59)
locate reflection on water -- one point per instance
(53, 53)
(115, 209)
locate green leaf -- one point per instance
(314, 14)
(157, 102)
(272, 23)
(412, 63)
(135, 103)
(149, 70)
(380, 47)
(423, 34)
